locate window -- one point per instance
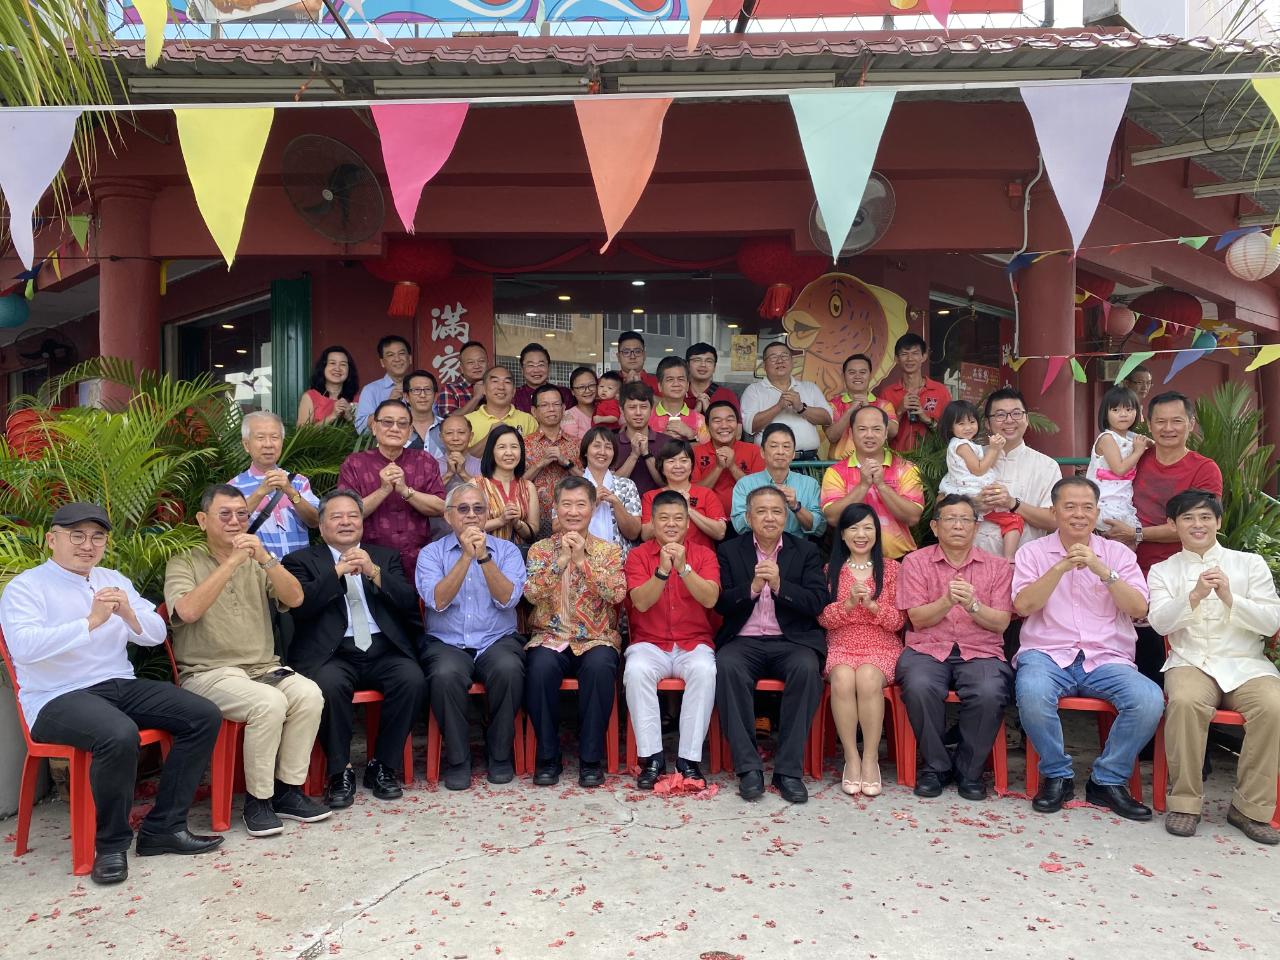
(233, 345)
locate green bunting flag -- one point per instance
(1132, 361)
(1077, 371)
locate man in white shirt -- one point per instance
(67, 623)
(1217, 607)
(781, 398)
(1024, 477)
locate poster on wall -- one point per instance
(744, 353)
(976, 381)
(450, 313)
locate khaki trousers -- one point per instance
(280, 723)
(1193, 697)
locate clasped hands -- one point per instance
(1213, 580)
(766, 572)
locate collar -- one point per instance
(661, 410)
(1212, 555)
(1053, 545)
(773, 553)
(852, 462)
(791, 384)
(333, 550)
(502, 419)
(387, 380)
(973, 556)
(255, 472)
(608, 480)
(52, 567)
(847, 397)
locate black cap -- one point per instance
(70, 514)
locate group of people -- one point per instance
(488, 536)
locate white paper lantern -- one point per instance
(1253, 257)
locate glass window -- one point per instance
(233, 345)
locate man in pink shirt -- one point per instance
(772, 590)
(1080, 595)
(959, 602)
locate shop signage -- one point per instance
(976, 381)
(450, 313)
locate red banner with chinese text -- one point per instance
(450, 313)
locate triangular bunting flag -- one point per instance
(358, 7)
(1132, 361)
(1020, 262)
(941, 10)
(1077, 372)
(622, 139)
(154, 14)
(1203, 342)
(78, 223)
(1268, 354)
(840, 132)
(697, 11)
(1015, 364)
(1195, 243)
(1051, 372)
(56, 264)
(417, 139)
(1231, 236)
(31, 290)
(1076, 125)
(222, 150)
(164, 276)
(1275, 237)
(540, 15)
(33, 147)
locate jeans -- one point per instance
(1039, 682)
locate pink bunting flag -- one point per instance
(417, 139)
(1076, 125)
(622, 139)
(941, 10)
(697, 10)
(33, 146)
(1055, 364)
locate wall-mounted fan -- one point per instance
(332, 188)
(870, 224)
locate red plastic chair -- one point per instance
(434, 739)
(997, 762)
(1160, 766)
(827, 737)
(670, 683)
(812, 752)
(372, 700)
(1106, 716)
(610, 734)
(84, 816)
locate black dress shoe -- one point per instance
(651, 768)
(930, 784)
(111, 867)
(689, 769)
(590, 774)
(751, 784)
(340, 791)
(385, 782)
(180, 841)
(500, 773)
(458, 776)
(1116, 798)
(971, 789)
(792, 789)
(547, 773)
(1053, 793)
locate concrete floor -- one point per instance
(520, 872)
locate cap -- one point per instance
(68, 515)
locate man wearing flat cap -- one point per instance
(67, 623)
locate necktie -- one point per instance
(359, 619)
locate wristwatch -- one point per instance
(661, 576)
(687, 568)
(973, 607)
(294, 497)
(268, 564)
(485, 559)
(1137, 534)
(1111, 577)
(803, 407)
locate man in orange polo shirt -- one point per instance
(918, 400)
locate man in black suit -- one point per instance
(772, 590)
(348, 636)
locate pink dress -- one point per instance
(859, 637)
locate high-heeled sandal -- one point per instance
(872, 788)
(851, 787)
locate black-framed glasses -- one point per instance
(421, 390)
(1017, 416)
(80, 537)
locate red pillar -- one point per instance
(1046, 297)
(129, 287)
(1269, 404)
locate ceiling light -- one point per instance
(637, 309)
(228, 326)
(637, 283)
(241, 350)
(219, 366)
(551, 336)
(564, 297)
(613, 343)
(944, 313)
(590, 354)
(732, 326)
(530, 314)
(669, 350)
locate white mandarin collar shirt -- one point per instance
(762, 395)
(44, 612)
(1224, 642)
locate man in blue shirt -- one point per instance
(396, 357)
(470, 583)
(804, 516)
(290, 516)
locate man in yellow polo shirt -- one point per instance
(498, 407)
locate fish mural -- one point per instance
(837, 315)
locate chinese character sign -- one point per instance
(453, 312)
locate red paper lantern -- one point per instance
(409, 263)
(770, 262)
(1170, 305)
(1100, 287)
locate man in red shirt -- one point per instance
(703, 390)
(631, 357)
(918, 400)
(724, 459)
(671, 590)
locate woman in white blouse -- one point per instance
(617, 513)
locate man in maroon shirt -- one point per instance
(959, 601)
(401, 488)
(535, 367)
(672, 587)
(703, 390)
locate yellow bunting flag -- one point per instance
(1268, 354)
(164, 276)
(222, 149)
(154, 14)
(1015, 364)
(1275, 237)
(79, 226)
(56, 264)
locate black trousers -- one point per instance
(597, 673)
(983, 685)
(450, 671)
(104, 719)
(400, 681)
(739, 665)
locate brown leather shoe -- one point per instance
(1182, 824)
(1255, 830)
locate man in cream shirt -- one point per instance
(1217, 607)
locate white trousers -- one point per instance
(646, 665)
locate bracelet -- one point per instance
(485, 559)
(661, 576)
(1017, 502)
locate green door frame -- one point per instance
(290, 344)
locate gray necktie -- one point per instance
(359, 619)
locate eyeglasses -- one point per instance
(393, 424)
(470, 509)
(584, 386)
(225, 516)
(631, 352)
(79, 537)
(957, 521)
(421, 390)
(1017, 416)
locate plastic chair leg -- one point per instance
(222, 775)
(612, 736)
(433, 748)
(1159, 772)
(1000, 760)
(26, 801)
(84, 825)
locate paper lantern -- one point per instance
(1119, 322)
(410, 263)
(1253, 257)
(13, 311)
(1170, 305)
